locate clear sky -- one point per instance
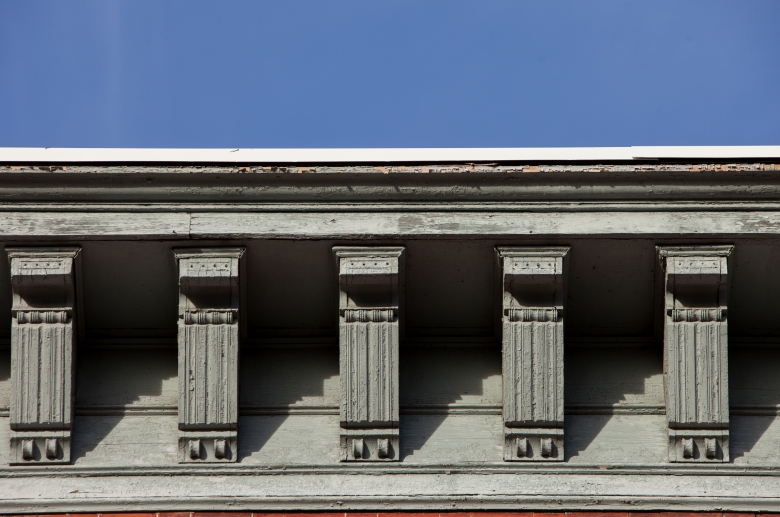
(364, 73)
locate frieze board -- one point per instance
(376, 224)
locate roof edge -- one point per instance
(386, 155)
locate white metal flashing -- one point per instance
(400, 155)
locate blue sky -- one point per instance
(422, 73)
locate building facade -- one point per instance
(432, 330)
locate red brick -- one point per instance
(221, 514)
(408, 514)
(691, 514)
(353, 514)
(315, 514)
(129, 514)
(549, 514)
(173, 514)
(597, 514)
(502, 514)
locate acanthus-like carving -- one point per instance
(209, 299)
(533, 292)
(369, 294)
(42, 354)
(695, 297)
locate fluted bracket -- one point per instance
(42, 354)
(532, 295)
(695, 330)
(369, 294)
(208, 340)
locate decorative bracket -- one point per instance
(533, 284)
(369, 293)
(695, 296)
(42, 354)
(208, 337)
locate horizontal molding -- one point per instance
(373, 206)
(759, 410)
(249, 410)
(390, 487)
(409, 409)
(121, 343)
(376, 225)
(482, 224)
(499, 467)
(451, 409)
(614, 409)
(120, 410)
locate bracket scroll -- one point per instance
(208, 341)
(42, 354)
(369, 293)
(532, 290)
(695, 330)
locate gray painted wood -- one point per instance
(42, 354)
(450, 425)
(484, 224)
(695, 294)
(370, 289)
(350, 225)
(533, 296)
(208, 342)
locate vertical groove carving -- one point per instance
(211, 353)
(533, 370)
(369, 363)
(368, 280)
(695, 294)
(42, 358)
(533, 285)
(209, 294)
(42, 354)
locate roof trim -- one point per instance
(401, 155)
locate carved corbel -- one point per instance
(695, 333)
(42, 354)
(369, 281)
(208, 340)
(533, 292)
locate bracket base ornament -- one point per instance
(208, 447)
(370, 445)
(699, 445)
(533, 444)
(40, 447)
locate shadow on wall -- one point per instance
(107, 381)
(275, 380)
(754, 388)
(434, 380)
(600, 378)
